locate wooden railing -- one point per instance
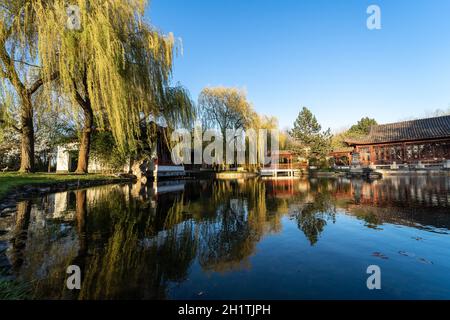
(410, 162)
(415, 165)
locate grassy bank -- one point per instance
(13, 290)
(10, 181)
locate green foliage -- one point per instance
(116, 64)
(306, 127)
(6, 109)
(312, 141)
(225, 108)
(314, 216)
(362, 127)
(105, 150)
(358, 130)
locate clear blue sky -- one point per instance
(315, 53)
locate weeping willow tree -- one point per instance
(114, 69)
(20, 72)
(115, 66)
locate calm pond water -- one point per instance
(249, 239)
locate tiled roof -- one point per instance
(422, 129)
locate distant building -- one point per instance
(408, 142)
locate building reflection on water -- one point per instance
(136, 241)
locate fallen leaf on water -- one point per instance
(425, 261)
(407, 254)
(379, 255)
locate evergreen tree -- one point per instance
(306, 127)
(308, 133)
(362, 127)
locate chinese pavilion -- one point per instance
(423, 140)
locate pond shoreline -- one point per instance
(36, 189)
(25, 192)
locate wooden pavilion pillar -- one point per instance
(372, 155)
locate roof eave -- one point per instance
(360, 143)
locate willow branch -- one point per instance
(11, 73)
(80, 100)
(39, 83)
(3, 73)
(27, 63)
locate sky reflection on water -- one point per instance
(242, 239)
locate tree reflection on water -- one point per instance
(134, 241)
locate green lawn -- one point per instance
(10, 181)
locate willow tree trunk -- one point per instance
(27, 132)
(81, 217)
(19, 240)
(85, 143)
(49, 164)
